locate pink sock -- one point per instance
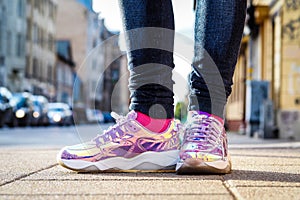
(154, 125)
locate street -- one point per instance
(52, 136)
(57, 136)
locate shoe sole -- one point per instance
(145, 162)
(197, 166)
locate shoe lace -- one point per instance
(107, 134)
(206, 131)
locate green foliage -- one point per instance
(181, 111)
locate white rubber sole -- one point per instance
(148, 161)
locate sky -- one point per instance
(183, 12)
(184, 23)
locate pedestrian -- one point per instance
(148, 138)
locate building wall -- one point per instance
(40, 47)
(12, 43)
(273, 56)
(77, 23)
(72, 24)
(64, 82)
(290, 90)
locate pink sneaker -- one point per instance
(204, 148)
(125, 146)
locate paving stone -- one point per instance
(288, 193)
(123, 197)
(283, 153)
(19, 162)
(151, 187)
(60, 173)
(257, 174)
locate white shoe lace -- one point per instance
(120, 120)
(205, 130)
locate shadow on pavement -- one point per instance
(263, 176)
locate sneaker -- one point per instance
(204, 148)
(125, 146)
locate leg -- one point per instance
(150, 82)
(218, 32)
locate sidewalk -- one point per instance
(258, 173)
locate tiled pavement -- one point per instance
(258, 173)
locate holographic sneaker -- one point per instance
(126, 146)
(204, 148)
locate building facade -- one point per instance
(78, 23)
(12, 44)
(64, 72)
(115, 92)
(269, 62)
(40, 47)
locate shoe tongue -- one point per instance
(191, 115)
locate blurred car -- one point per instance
(108, 118)
(60, 114)
(40, 111)
(94, 116)
(23, 109)
(6, 108)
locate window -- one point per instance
(39, 35)
(2, 60)
(27, 68)
(50, 74)
(19, 46)
(42, 7)
(35, 33)
(37, 4)
(35, 68)
(29, 27)
(94, 43)
(41, 72)
(8, 43)
(59, 75)
(50, 42)
(42, 37)
(20, 8)
(50, 9)
(4, 17)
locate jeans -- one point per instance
(218, 32)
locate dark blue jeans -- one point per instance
(218, 32)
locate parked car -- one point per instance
(6, 108)
(94, 116)
(22, 111)
(108, 118)
(60, 114)
(40, 111)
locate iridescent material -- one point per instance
(204, 144)
(126, 139)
